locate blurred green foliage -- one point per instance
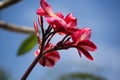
(80, 76)
(4, 75)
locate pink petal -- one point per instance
(76, 36)
(59, 14)
(49, 59)
(56, 20)
(57, 23)
(81, 34)
(86, 53)
(42, 61)
(41, 12)
(85, 34)
(71, 30)
(71, 22)
(54, 55)
(70, 18)
(87, 45)
(47, 8)
(49, 62)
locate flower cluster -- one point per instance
(73, 37)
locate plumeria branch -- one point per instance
(15, 28)
(47, 53)
(40, 56)
(30, 68)
(6, 3)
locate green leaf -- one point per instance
(27, 45)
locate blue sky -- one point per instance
(102, 16)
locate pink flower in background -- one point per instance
(49, 59)
(81, 40)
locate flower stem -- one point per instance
(30, 68)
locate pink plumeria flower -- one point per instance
(63, 26)
(81, 34)
(71, 22)
(49, 59)
(53, 19)
(81, 40)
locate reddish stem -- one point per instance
(31, 67)
(34, 62)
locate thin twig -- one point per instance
(6, 3)
(15, 28)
